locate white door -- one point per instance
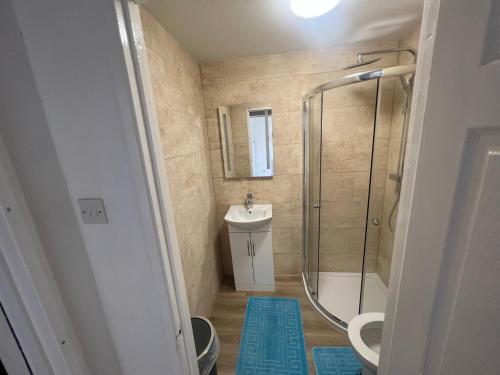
(11, 356)
(262, 244)
(242, 258)
(444, 312)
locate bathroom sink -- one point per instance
(248, 219)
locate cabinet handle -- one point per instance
(248, 247)
(253, 248)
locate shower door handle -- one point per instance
(317, 205)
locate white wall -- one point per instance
(27, 138)
(87, 148)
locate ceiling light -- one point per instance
(312, 8)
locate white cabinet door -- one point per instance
(262, 244)
(242, 258)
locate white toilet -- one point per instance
(365, 334)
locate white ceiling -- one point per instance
(217, 29)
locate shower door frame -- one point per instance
(363, 76)
(306, 264)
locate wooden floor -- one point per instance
(229, 313)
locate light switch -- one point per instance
(92, 210)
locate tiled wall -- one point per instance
(178, 95)
(386, 237)
(281, 80)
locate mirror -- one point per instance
(247, 140)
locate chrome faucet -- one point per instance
(249, 201)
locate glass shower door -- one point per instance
(388, 151)
(312, 189)
(378, 238)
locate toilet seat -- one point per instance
(354, 329)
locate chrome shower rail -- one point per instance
(392, 71)
(332, 320)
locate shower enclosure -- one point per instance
(354, 137)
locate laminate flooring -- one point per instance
(228, 316)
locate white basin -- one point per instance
(248, 219)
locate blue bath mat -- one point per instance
(272, 341)
(335, 361)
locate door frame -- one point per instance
(28, 291)
(402, 284)
(148, 135)
(419, 248)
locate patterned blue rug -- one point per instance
(272, 341)
(335, 361)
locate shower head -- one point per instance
(361, 62)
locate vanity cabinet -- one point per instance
(252, 253)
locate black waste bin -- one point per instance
(207, 345)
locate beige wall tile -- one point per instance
(281, 128)
(336, 215)
(287, 241)
(299, 85)
(287, 264)
(361, 185)
(380, 153)
(287, 159)
(296, 129)
(318, 61)
(347, 156)
(217, 163)
(256, 67)
(185, 174)
(229, 191)
(356, 240)
(370, 263)
(373, 240)
(340, 262)
(212, 72)
(337, 187)
(335, 241)
(358, 218)
(361, 94)
(287, 215)
(181, 133)
(348, 123)
(385, 112)
(339, 124)
(213, 134)
(176, 83)
(377, 188)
